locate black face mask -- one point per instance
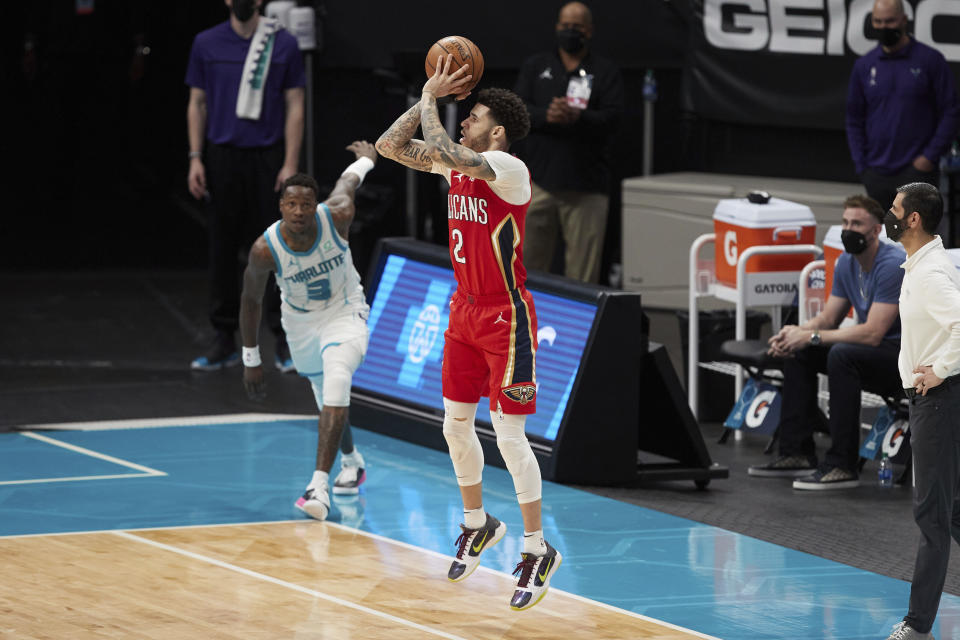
(889, 37)
(243, 9)
(895, 226)
(571, 40)
(853, 241)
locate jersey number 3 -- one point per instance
(458, 239)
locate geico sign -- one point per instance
(825, 25)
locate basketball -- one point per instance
(464, 52)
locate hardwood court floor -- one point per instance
(275, 580)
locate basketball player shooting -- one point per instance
(323, 310)
(490, 344)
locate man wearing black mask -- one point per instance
(902, 108)
(245, 120)
(575, 100)
(858, 356)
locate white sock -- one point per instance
(474, 518)
(320, 479)
(533, 543)
(352, 459)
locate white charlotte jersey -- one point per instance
(322, 277)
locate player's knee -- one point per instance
(462, 441)
(336, 386)
(518, 456)
(339, 363)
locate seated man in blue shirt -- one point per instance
(855, 357)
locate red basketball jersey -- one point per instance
(486, 236)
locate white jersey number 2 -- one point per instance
(458, 238)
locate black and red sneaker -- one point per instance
(535, 573)
(471, 543)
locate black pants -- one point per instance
(935, 441)
(883, 188)
(850, 369)
(244, 204)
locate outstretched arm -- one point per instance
(397, 143)
(341, 199)
(255, 277)
(440, 147)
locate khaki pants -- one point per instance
(581, 217)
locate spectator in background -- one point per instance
(575, 100)
(902, 108)
(245, 142)
(857, 357)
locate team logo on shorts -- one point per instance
(522, 393)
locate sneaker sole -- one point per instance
(826, 486)
(531, 605)
(780, 473)
(496, 538)
(213, 367)
(349, 491)
(313, 508)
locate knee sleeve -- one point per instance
(462, 440)
(518, 456)
(316, 383)
(339, 363)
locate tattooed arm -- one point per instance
(398, 143)
(445, 151)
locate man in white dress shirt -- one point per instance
(929, 363)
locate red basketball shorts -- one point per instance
(490, 350)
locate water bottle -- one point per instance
(885, 473)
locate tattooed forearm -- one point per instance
(400, 132)
(446, 151)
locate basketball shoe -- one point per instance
(535, 573)
(352, 474)
(315, 502)
(471, 543)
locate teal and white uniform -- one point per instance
(323, 306)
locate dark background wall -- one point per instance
(98, 152)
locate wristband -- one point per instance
(194, 154)
(360, 167)
(251, 356)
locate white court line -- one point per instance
(75, 478)
(152, 423)
(94, 454)
(288, 585)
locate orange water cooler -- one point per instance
(740, 224)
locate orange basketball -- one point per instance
(464, 52)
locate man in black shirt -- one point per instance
(575, 99)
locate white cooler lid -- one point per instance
(775, 213)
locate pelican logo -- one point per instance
(759, 408)
(522, 393)
(424, 333)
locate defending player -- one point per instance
(490, 344)
(323, 311)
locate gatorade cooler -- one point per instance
(740, 224)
